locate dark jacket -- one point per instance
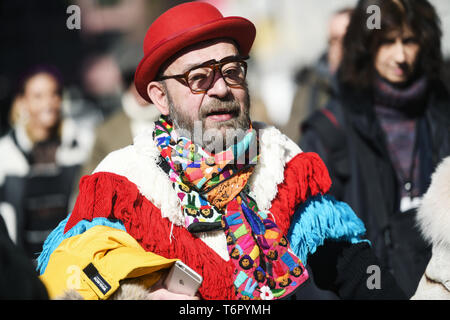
(18, 280)
(35, 195)
(350, 140)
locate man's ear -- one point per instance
(158, 96)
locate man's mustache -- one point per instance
(220, 107)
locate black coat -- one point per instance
(353, 147)
(18, 279)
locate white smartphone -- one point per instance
(182, 279)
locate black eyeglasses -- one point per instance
(200, 78)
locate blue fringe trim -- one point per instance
(57, 236)
(321, 218)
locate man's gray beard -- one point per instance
(213, 139)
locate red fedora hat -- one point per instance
(182, 26)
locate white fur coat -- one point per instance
(433, 218)
(139, 164)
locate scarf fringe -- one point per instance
(320, 218)
(304, 176)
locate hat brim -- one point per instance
(239, 29)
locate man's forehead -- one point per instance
(201, 52)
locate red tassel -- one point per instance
(112, 196)
(304, 176)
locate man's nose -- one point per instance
(218, 87)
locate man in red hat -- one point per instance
(236, 201)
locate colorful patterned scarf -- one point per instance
(214, 195)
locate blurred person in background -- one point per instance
(35, 33)
(315, 84)
(133, 117)
(446, 77)
(388, 128)
(102, 84)
(41, 157)
(111, 32)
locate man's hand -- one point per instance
(160, 293)
(164, 294)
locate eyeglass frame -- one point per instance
(214, 65)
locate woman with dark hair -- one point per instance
(388, 127)
(41, 157)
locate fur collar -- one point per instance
(433, 215)
(433, 219)
(139, 164)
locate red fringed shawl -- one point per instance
(112, 196)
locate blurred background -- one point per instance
(97, 60)
(59, 122)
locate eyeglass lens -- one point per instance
(201, 78)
